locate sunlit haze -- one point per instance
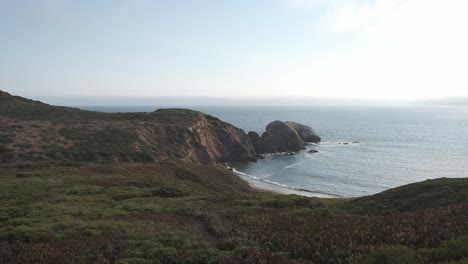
(356, 49)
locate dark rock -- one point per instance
(222, 142)
(278, 137)
(254, 138)
(259, 156)
(313, 151)
(306, 133)
(291, 153)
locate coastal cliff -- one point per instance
(34, 131)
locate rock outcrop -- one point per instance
(306, 133)
(216, 141)
(254, 138)
(283, 137)
(278, 137)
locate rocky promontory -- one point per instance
(31, 131)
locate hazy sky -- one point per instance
(366, 49)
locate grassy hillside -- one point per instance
(32, 131)
(179, 212)
(417, 196)
(25, 109)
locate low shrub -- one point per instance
(392, 255)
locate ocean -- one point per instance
(386, 147)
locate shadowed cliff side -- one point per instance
(33, 131)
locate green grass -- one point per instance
(176, 212)
(110, 139)
(148, 208)
(33, 131)
(25, 109)
(427, 194)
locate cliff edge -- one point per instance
(32, 131)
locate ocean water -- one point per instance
(388, 147)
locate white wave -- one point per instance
(277, 183)
(285, 185)
(293, 165)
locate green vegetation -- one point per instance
(177, 212)
(71, 192)
(25, 109)
(31, 131)
(427, 194)
(392, 255)
(108, 140)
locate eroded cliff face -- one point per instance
(211, 139)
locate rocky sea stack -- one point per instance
(306, 133)
(283, 137)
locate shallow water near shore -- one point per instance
(387, 147)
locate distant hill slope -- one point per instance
(417, 196)
(33, 131)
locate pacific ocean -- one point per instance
(386, 147)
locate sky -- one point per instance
(349, 49)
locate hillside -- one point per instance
(88, 187)
(35, 132)
(412, 197)
(180, 212)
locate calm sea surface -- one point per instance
(393, 147)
